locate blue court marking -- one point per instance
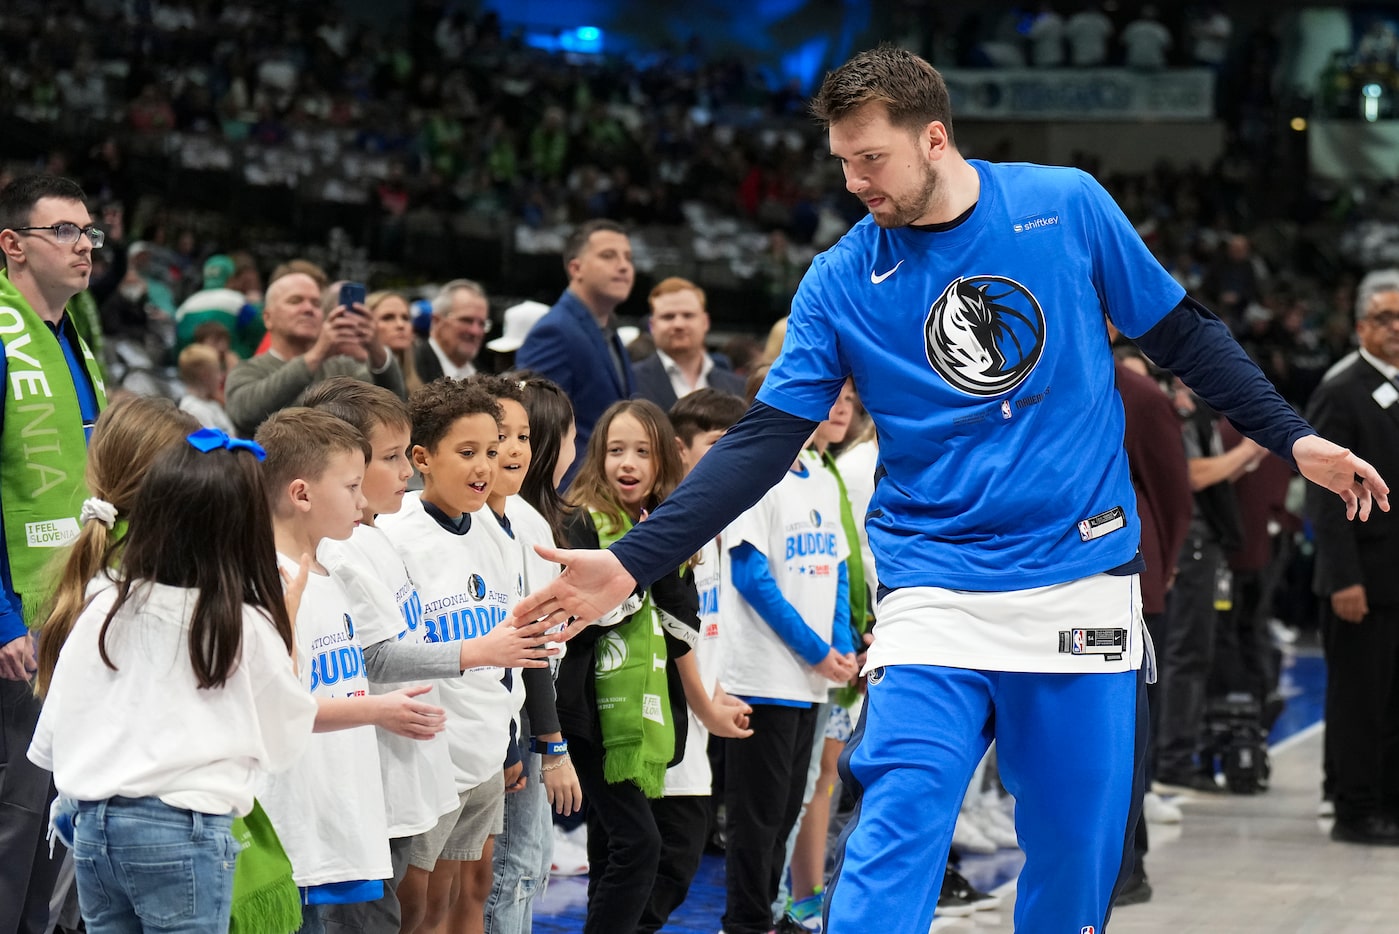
(564, 905)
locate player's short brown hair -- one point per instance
(909, 88)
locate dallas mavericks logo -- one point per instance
(349, 627)
(476, 586)
(984, 334)
(611, 654)
(815, 519)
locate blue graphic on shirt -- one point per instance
(811, 544)
(709, 601)
(466, 622)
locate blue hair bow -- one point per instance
(211, 439)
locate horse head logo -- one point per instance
(984, 334)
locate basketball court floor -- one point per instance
(1237, 864)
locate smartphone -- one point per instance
(352, 294)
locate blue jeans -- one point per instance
(142, 865)
(523, 852)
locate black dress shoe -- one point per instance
(1375, 830)
(1136, 892)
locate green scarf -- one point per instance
(265, 899)
(855, 574)
(43, 445)
(633, 696)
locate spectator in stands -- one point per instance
(1145, 41)
(393, 319)
(461, 319)
(1356, 580)
(201, 372)
(681, 363)
(306, 346)
(1234, 281)
(1088, 32)
(1046, 37)
(1210, 30)
(576, 343)
(216, 301)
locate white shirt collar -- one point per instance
(678, 380)
(1391, 373)
(448, 367)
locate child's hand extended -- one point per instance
(508, 646)
(399, 713)
(837, 667)
(727, 716)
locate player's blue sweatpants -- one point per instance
(1069, 747)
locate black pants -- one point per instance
(683, 822)
(764, 782)
(27, 874)
(1362, 712)
(1187, 657)
(624, 845)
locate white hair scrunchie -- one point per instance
(99, 509)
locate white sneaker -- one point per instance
(968, 837)
(570, 859)
(1157, 810)
(996, 827)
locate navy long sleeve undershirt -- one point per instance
(1189, 341)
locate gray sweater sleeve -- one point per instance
(260, 386)
(392, 660)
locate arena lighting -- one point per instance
(1372, 94)
(1299, 124)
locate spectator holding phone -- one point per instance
(308, 343)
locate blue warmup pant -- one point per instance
(1070, 749)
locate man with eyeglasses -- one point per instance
(461, 319)
(1357, 406)
(53, 393)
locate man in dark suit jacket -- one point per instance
(461, 319)
(576, 343)
(680, 365)
(1357, 578)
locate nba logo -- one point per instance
(1078, 650)
(1086, 929)
(1005, 408)
(1085, 531)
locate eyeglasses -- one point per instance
(483, 323)
(1384, 319)
(68, 232)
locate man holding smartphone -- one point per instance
(308, 344)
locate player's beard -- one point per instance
(907, 209)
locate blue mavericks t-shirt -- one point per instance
(982, 354)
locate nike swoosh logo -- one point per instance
(876, 279)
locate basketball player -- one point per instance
(969, 308)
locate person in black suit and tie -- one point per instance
(461, 319)
(680, 365)
(1357, 406)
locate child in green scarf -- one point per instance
(619, 692)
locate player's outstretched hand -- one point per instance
(400, 713)
(592, 583)
(1338, 470)
(508, 646)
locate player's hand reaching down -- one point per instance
(1338, 470)
(592, 584)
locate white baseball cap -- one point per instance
(518, 321)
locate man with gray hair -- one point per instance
(1358, 407)
(461, 319)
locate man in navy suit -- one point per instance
(680, 365)
(576, 343)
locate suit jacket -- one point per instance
(568, 347)
(425, 361)
(652, 382)
(1343, 409)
